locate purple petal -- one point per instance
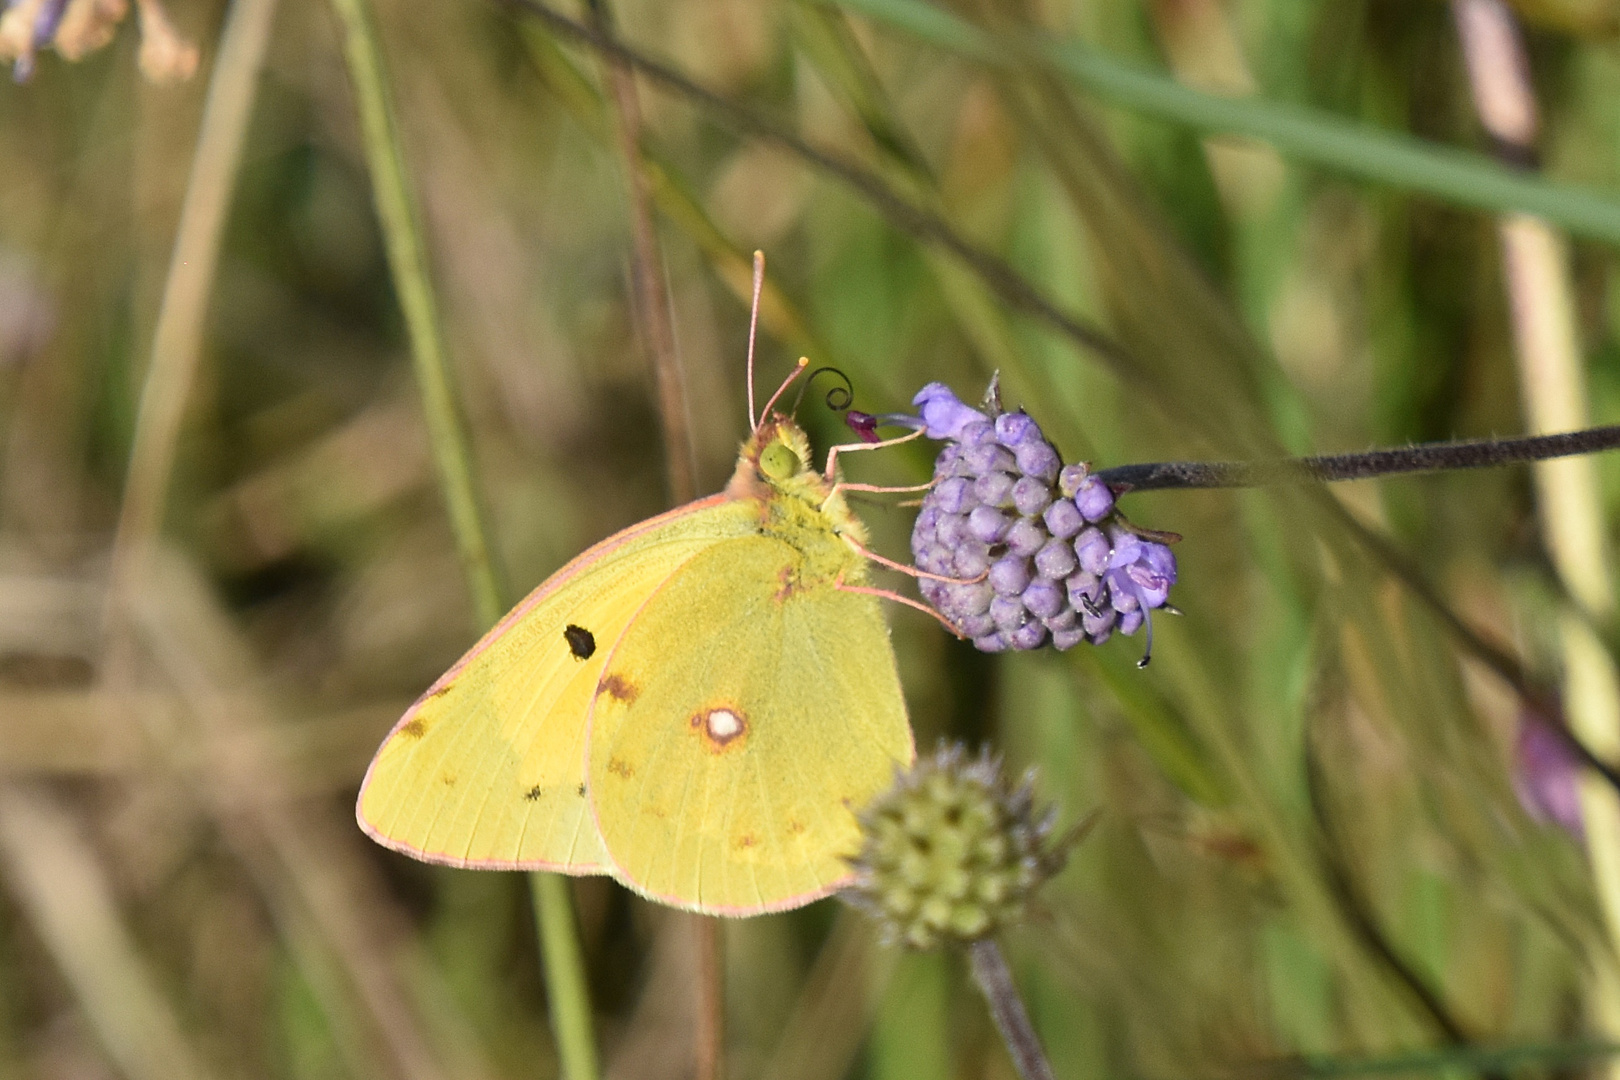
(972, 559)
(954, 496)
(977, 626)
(944, 416)
(1043, 598)
(977, 433)
(950, 529)
(1014, 429)
(1025, 537)
(1067, 639)
(1065, 619)
(1009, 575)
(994, 489)
(1092, 548)
(1031, 496)
(988, 524)
(1055, 559)
(991, 643)
(987, 457)
(1127, 549)
(1008, 612)
(1063, 520)
(1032, 635)
(1038, 459)
(1094, 500)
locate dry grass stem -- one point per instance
(1552, 383)
(57, 877)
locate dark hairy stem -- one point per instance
(1426, 457)
(1007, 1008)
(1007, 283)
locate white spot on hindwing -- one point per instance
(720, 726)
(723, 725)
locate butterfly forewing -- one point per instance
(742, 719)
(487, 768)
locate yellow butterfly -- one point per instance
(697, 706)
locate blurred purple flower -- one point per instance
(1545, 775)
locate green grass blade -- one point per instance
(1308, 135)
(407, 261)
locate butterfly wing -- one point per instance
(742, 719)
(486, 769)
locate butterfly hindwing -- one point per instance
(745, 714)
(487, 768)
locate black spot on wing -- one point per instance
(581, 642)
(533, 794)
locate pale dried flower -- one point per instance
(77, 28)
(165, 56)
(88, 25)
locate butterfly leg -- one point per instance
(877, 489)
(889, 594)
(866, 553)
(832, 454)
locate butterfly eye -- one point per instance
(778, 462)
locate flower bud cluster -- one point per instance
(952, 852)
(1041, 554)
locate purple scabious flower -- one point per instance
(1054, 562)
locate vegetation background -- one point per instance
(1311, 859)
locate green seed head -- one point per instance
(952, 851)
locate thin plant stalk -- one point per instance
(922, 224)
(651, 291)
(177, 338)
(651, 294)
(61, 885)
(170, 375)
(1536, 275)
(564, 960)
(569, 995)
(407, 265)
(1007, 1009)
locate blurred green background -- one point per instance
(1310, 856)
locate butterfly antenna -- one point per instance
(753, 325)
(804, 362)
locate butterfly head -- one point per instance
(776, 458)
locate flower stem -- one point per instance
(1007, 1008)
(407, 262)
(1427, 457)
